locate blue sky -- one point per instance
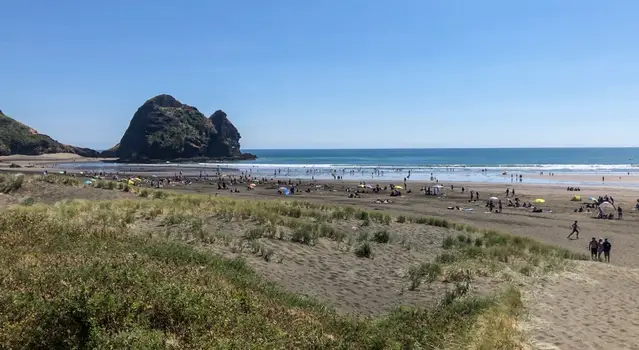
(331, 73)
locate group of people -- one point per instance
(599, 247)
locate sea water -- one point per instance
(445, 165)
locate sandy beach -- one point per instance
(561, 313)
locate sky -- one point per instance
(331, 73)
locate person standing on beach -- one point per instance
(619, 212)
(600, 248)
(575, 229)
(500, 205)
(512, 192)
(606, 250)
(507, 192)
(593, 246)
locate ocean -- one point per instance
(476, 164)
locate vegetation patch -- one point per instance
(75, 275)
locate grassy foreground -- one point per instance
(79, 275)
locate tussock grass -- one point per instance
(364, 250)
(11, 182)
(77, 275)
(426, 271)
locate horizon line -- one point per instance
(431, 148)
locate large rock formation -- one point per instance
(163, 129)
(17, 138)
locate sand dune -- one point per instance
(592, 307)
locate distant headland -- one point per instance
(163, 129)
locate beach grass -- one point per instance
(136, 273)
(10, 182)
(79, 275)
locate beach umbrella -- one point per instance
(493, 199)
(131, 182)
(369, 186)
(438, 186)
(399, 187)
(361, 186)
(88, 182)
(539, 200)
(252, 185)
(592, 199)
(576, 198)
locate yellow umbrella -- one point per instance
(131, 182)
(400, 187)
(539, 200)
(361, 186)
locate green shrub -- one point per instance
(28, 201)
(446, 258)
(11, 183)
(363, 250)
(415, 275)
(401, 219)
(381, 236)
(448, 242)
(431, 271)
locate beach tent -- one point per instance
(576, 198)
(539, 201)
(607, 208)
(285, 190)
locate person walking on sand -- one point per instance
(593, 246)
(606, 250)
(575, 229)
(500, 205)
(507, 192)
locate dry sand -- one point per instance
(568, 311)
